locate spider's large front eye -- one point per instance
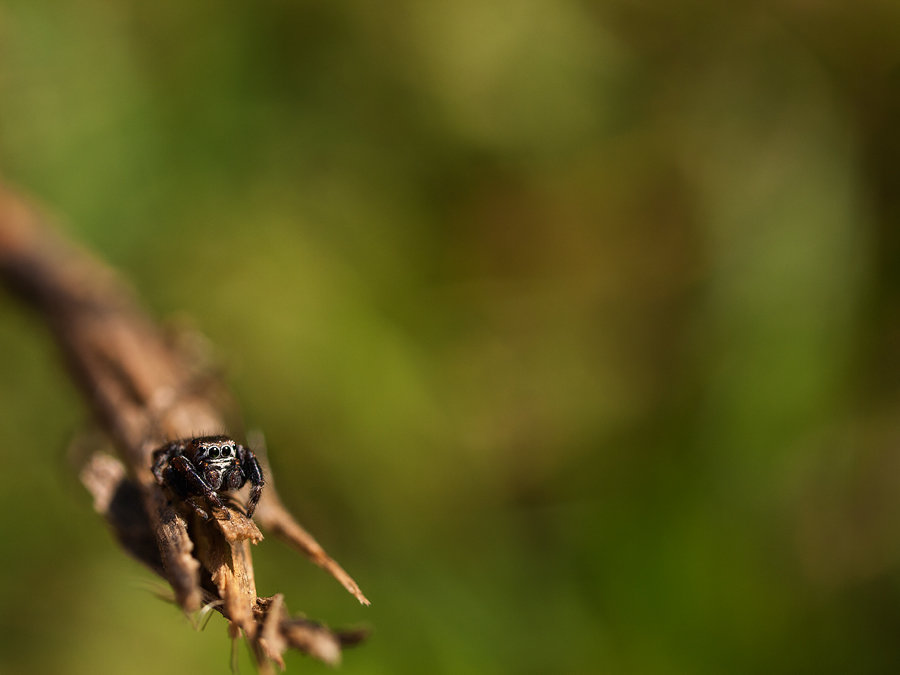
(226, 451)
(213, 452)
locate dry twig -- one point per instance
(142, 389)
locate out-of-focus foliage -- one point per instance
(573, 326)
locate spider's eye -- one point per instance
(213, 452)
(226, 451)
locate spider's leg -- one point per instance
(252, 470)
(162, 456)
(191, 483)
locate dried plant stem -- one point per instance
(142, 390)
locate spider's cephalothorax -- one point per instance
(206, 466)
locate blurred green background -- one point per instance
(573, 327)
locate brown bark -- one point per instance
(143, 389)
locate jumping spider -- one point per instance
(206, 466)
